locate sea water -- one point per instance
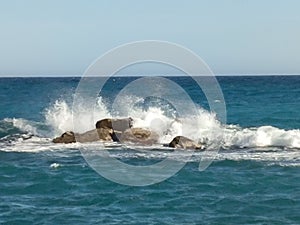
(254, 178)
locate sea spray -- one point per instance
(203, 126)
(59, 117)
(263, 136)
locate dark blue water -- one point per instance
(253, 180)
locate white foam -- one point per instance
(203, 126)
(23, 125)
(271, 156)
(54, 165)
(59, 117)
(263, 136)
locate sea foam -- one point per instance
(201, 127)
(204, 126)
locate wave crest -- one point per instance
(201, 127)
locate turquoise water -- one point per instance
(253, 180)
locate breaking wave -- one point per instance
(150, 114)
(201, 127)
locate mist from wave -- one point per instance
(201, 127)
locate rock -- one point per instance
(106, 134)
(67, 137)
(109, 130)
(139, 135)
(71, 137)
(112, 129)
(135, 135)
(185, 143)
(88, 136)
(115, 124)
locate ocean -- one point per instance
(254, 178)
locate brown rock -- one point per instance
(106, 134)
(67, 137)
(112, 129)
(115, 124)
(139, 135)
(71, 137)
(185, 143)
(88, 136)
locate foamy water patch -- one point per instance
(18, 143)
(202, 127)
(24, 125)
(263, 136)
(269, 156)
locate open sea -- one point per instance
(254, 178)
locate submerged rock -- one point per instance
(185, 143)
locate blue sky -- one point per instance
(232, 37)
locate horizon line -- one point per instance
(141, 75)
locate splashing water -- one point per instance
(203, 126)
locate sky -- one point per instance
(54, 37)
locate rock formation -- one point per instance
(88, 136)
(71, 137)
(139, 135)
(112, 129)
(106, 130)
(120, 130)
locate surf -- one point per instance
(201, 127)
